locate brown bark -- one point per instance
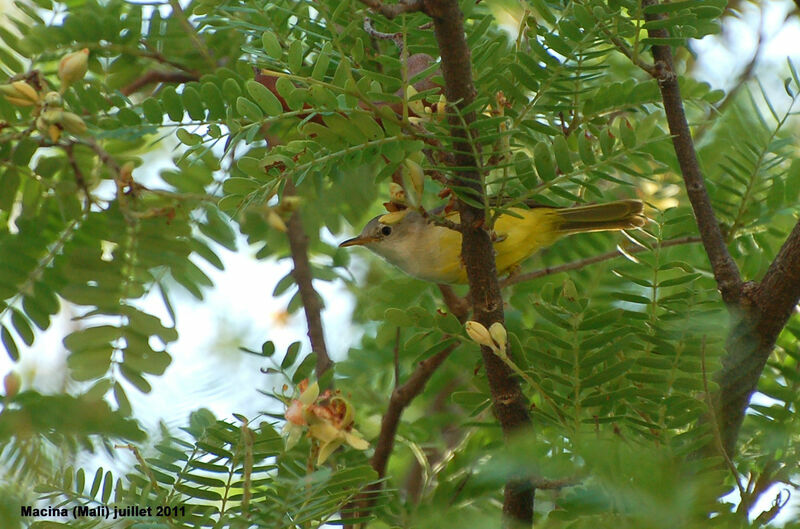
(312, 305)
(477, 252)
(759, 310)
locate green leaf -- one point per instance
(249, 110)
(397, 317)
(268, 102)
(212, 98)
(22, 326)
(152, 111)
(271, 44)
(562, 152)
(321, 64)
(193, 103)
(291, 355)
(295, 57)
(9, 344)
(544, 162)
(171, 102)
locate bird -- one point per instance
(425, 250)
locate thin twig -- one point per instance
(393, 10)
(298, 245)
(155, 76)
(80, 179)
(201, 46)
(556, 484)
(582, 263)
(397, 38)
(396, 354)
(400, 399)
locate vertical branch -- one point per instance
(477, 251)
(725, 270)
(298, 245)
(759, 310)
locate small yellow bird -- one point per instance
(433, 253)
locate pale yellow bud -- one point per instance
(26, 91)
(414, 180)
(11, 383)
(53, 99)
(276, 222)
(54, 132)
(16, 101)
(20, 93)
(479, 334)
(441, 107)
(416, 106)
(394, 217)
(290, 203)
(499, 335)
(52, 115)
(73, 66)
(73, 123)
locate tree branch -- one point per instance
(394, 10)
(156, 76)
(724, 268)
(764, 312)
(759, 310)
(509, 404)
(298, 245)
(400, 399)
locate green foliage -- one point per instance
(616, 357)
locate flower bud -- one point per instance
(11, 383)
(499, 335)
(73, 123)
(54, 131)
(441, 108)
(479, 334)
(20, 93)
(73, 66)
(53, 99)
(290, 203)
(276, 222)
(394, 217)
(414, 180)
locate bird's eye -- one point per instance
(386, 230)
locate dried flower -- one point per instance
(327, 417)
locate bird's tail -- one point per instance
(619, 215)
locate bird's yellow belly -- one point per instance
(517, 238)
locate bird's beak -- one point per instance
(357, 241)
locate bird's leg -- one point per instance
(512, 271)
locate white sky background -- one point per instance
(208, 371)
